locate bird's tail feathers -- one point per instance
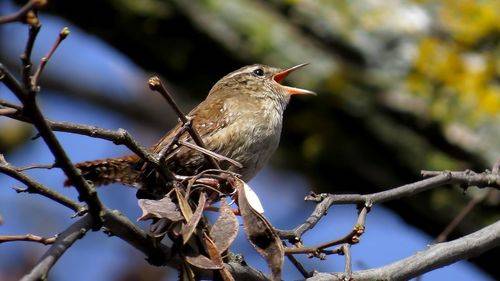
(110, 170)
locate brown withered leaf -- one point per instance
(186, 210)
(188, 229)
(159, 209)
(186, 273)
(261, 234)
(215, 256)
(200, 261)
(225, 228)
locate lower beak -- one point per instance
(280, 76)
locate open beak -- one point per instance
(280, 76)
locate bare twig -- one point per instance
(20, 15)
(36, 166)
(7, 111)
(62, 243)
(469, 178)
(211, 153)
(26, 56)
(87, 193)
(435, 256)
(36, 77)
(35, 187)
(461, 216)
(298, 265)
(350, 238)
(325, 201)
(28, 237)
(346, 251)
(155, 84)
(118, 137)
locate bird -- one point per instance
(241, 118)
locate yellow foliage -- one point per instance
(457, 76)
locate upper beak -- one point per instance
(278, 77)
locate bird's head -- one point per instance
(260, 82)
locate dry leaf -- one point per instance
(188, 229)
(213, 252)
(225, 229)
(261, 234)
(183, 205)
(253, 199)
(159, 209)
(186, 273)
(200, 261)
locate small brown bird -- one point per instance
(241, 118)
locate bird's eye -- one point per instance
(259, 72)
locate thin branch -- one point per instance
(298, 265)
(211, 153)
(435, 256)
(461, 216)
(325, 201)
(87, 193)
(346, 251)
(28, 237)
(7, 111)
(26, 56)
(35, 187)
(469, 178)
(155, 84)
(350, 238)
(118, 137)
(43, 62)
(63, 242)
(36, 166)
(21, 14)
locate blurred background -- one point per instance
(403, 86)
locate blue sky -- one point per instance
(90, 62)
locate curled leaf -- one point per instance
(159, 209)
(189, 228)
(215, 256)
(253, 199)
(183, 204)
(261, 234)
(200, 261)
(225, 228)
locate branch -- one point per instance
(325, 201)
(63, 242)
(435, 256)
(211, 153)
(21, 14)
(28, 237)
(43, 62)
(87, 193)
(118, 137)
(155, 84)
(26, 56)
(35, 187)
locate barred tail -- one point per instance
(111, 170)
